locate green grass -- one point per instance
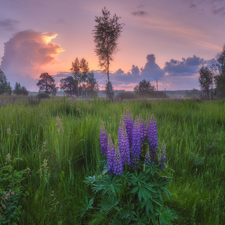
(66, 133)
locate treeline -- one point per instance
(6, 89)
(212, 78)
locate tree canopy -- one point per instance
(5, 87)
(69, 85)
(220, 76)
(80, 72)
(91, 87)
(18, 90)
(47, 84)
(205, 80)
(144, 88)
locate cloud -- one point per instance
(193, 6)
(139, 13)
(60, 20)
(8, 24)
(140, 6)
(27, 53)
(219, 11)
(151, 69)
(149, 72)
(186, 67)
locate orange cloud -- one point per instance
(27, 53)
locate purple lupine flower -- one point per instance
(103, 139)
(128, 121)
(143, 130)
(163, 156)
(123, 144)
(110, 155)
(152, 137)
(136, 143)
(117, 163)
(147, 157)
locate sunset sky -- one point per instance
(168, 40)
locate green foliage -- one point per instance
(73, 153)
(133, 196)
(11, 192)
(42, 95)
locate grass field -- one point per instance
(58, 140)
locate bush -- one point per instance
(126, 95)
(42, 95)
(134, 176)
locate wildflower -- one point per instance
(152, 137)
(8, 131)
(123, 144)
(136, 143)
(103, 139)
(163, 155)
(143, 130)
(8, 158)
(147, 157)
(59, 124)
(117, 164)
(44, 170)
(110, 154)
(128, 121)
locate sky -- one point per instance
(161, 40)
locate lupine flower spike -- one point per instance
(103, 139)
(110, 154)
(128, 121)
(117, 163)
(143, 130)
(123, 144)
(147, 157)
(136, 143)
(163, 156)
(152, 137)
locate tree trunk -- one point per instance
(109, 83)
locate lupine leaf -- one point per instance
(160, 195)
(165, 217)
(109, 203)
(87, 205)
(166, 192)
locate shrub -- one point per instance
(126, 95)
(42, 95)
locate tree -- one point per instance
(80, 70)
(219, 67)
(47, 84)
(69, 85)
(205, 79)
(91, 88)
(109, 91)
(3, 83)
(106, 33)
(9, 89)
(18, 90)
(144, 88)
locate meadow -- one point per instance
(48, 147)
